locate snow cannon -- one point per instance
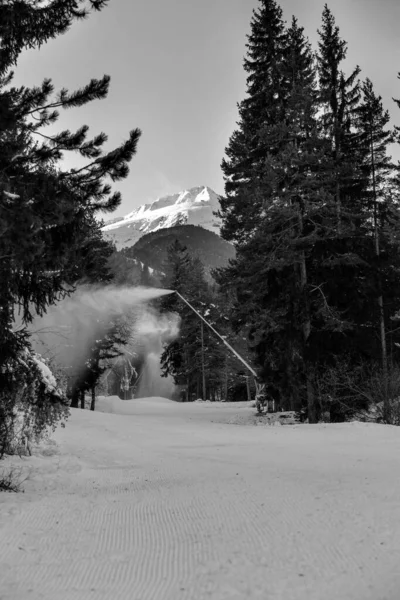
(252, 371)
(261, 398)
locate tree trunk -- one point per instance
(312, 404)
(248, 388)
(293, 383)
(338, 208)
(225, 392)
(82, 395)
(382, 328)
(313, 411)
(337, 161)
(93, 402)
(74, 397)
(203, 370)
(188, 394)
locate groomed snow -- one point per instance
(169, 502)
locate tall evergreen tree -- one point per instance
(195, 358)
(46, 213)
(374, 139)
(244, 163)
(340, 96)
(271, 270)
(310, 266)
(186, 276)
(31, 23)
(109, 336)
(125, 270)
(345, 257)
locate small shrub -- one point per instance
(362, 391)
(10, 480)
(341, 391)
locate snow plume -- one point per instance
(153, 331)
(67, 331)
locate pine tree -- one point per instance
(125, 270)
(244, 166)
(109, 337)
(270, 273)
(94, 255)
(355, 126)
(46, 213)
(339, 95)
(225, 370)
(30, 24)
(195, 358)
(347, 257)
(186, 276)
(375, 138)
(299, 209)
(307, 277)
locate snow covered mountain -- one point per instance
(189, 207)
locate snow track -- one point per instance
(166, 505)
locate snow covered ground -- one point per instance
(169, 501)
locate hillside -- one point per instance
(151, 249)
(195, 206)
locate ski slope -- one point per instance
(170, 502)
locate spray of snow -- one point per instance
(69, 328)
(153, 331)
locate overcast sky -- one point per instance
(176, 72)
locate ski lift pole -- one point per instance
(252, 371)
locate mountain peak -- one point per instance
(194, 206)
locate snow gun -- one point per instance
(260, 387)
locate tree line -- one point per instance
(198, 360)
(311, 206)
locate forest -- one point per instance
(311, 208)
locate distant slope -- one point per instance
(213, 251)
(189, 207)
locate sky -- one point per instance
(176, 70)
